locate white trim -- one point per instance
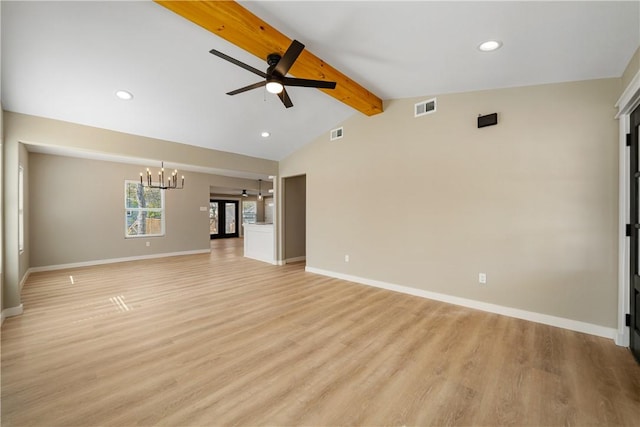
(560, 322)
(24, 279)
(10, 312)
(296, 259)
(115, 260)
(628, 101)
(622, 335)
(268, 261)
(21, 225)
(630, 98)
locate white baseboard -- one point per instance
(24, 279)
(114, 260)
(10, 312)
(560, 322)
(622, 338)
(296, 259)
(258, 258)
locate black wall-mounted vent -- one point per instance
(488, 120)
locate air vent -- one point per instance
(424, 107)
(337, 133)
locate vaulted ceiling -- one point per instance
(66, 60)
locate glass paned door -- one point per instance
(223, 218)
(230, 217)
(213, 218)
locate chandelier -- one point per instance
(171, 183)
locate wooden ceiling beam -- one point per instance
(236, 24)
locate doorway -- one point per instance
(634, 252)
(223, 218)
(295, 219)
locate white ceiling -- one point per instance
(65, 60)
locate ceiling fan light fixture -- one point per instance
(244, 193)
(490, 45)
(274, 87)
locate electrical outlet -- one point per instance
(346, 258)
(482, 278)
(148, 244)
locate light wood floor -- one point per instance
(217, 339)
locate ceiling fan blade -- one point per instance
(238, 63)
(284, 97)
(289, 57)
(322, 84)
(246, 88)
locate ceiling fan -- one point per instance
(275, 79)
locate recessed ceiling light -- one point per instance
(490, 45)
(265, 134)
(123, 94)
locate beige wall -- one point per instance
(11, 257)
(431, 202)
(77, 212)
(632, 69)
(77, 209)
(38, 130)
(295, 217)
(20, 128)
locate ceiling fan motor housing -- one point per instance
(273, 59)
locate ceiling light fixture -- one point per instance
(265, 134)
(124, 95)
(490, 45)
(244, 193)
(172, 181)
(274, 87)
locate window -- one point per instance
(144, 210)
(268, 210)
(20, 208)
(249, 212)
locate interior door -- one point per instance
(223, 218)
(634, 252)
